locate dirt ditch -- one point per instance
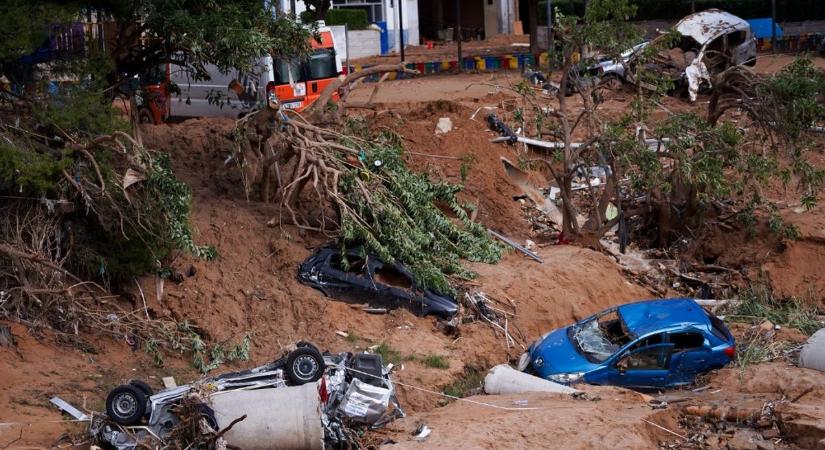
(252, 289)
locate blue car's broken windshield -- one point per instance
(600, 337)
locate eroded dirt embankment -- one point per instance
(252, 288)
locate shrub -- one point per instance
(355, 19)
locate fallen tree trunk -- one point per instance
(316, 111)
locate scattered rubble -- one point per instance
(444, 126)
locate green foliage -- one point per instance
(758, 304)
(172, 207)
(30, 172)
(751, 353)
(788, 10)
(390, 354)
(605, 28)
(398, 216)
(218, 354)
(355, 19)
(471, 380)
(24, 25)
(352, 338)
(434, 362)
(115, 251)
(79, 110)
(226, 33)
(697, 154)
(800, 90)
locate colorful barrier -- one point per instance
(469, 64)
(792, 44)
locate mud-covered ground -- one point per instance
(252, 288)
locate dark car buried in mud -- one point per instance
(651, 344)
(370, 280)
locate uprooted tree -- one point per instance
(84, 207)
(676, 172)
(339, 176)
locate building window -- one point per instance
(374, 8)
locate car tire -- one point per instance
(612, 82)
(126, 404)
(304, 365)
(140, 384)
(145, 117)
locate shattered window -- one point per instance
(601, 337)
(352, 264)
(391, 276)
(648, 341)
(736, 38)
(647, 359)
(686, 341)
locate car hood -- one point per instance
(558, 355)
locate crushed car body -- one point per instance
(711, 41)
(358, 278)
(651, 344)
(350, 390)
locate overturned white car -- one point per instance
(711, 41)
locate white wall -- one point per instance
(362, 43)
(410, 13)
(286, 5)
(491, 27)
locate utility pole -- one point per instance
(549, 37)
(692, 6)
(458, 33)
(773, 26)
(401, 27)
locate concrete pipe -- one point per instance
(283, 418)
(812, 355)
(503, 379)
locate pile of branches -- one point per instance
(78, 215)
(197, 428)
(354, 185)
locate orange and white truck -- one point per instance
(294, 83)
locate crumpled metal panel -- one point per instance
(706, 26)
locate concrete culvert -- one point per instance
(812, 355)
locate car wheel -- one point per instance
(612, 82)
(304, 365)
(126, 404)
(145, 117)
(147, 390)
(209, 414)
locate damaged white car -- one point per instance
(711, 41)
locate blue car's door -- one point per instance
(646, 367)
(691, 355)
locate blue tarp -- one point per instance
(761, 28)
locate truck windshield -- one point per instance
(283, 68)
(321, 64)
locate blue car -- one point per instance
(651, 344)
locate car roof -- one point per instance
(706, 26)
(648, 316)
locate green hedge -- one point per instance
(355, 19)
(786, 10)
